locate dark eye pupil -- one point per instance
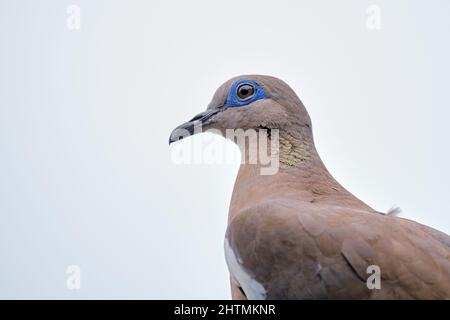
(245, 91)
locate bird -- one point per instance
(298, 233)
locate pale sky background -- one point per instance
(86, 176)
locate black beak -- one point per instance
(189, 128)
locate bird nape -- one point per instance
(297, 233)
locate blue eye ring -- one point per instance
(234, 100)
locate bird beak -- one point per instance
(193, 126)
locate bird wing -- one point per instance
(299, 250)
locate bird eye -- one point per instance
(245, 91)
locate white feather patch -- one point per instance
(252, 288)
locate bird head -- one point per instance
(251, 102)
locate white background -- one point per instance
(86, 176)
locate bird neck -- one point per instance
(301, 176)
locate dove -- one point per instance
(298, 233)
